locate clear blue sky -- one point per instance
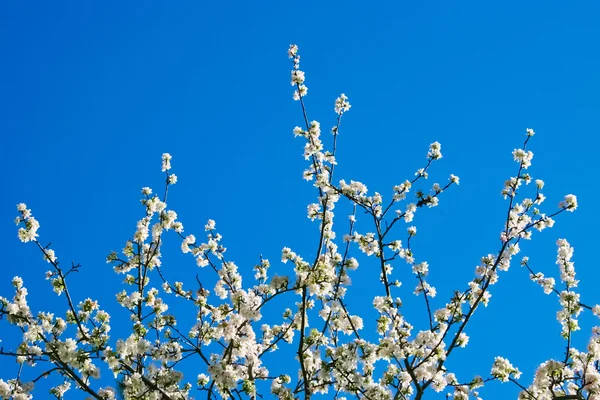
(93, 94)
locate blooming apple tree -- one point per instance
(334, 357)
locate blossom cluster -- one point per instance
(230, 337)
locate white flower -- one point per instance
(297, 77)
(435, 151)
(341, 104)
(569, 203)
(166, 162)
(292, 51)
(5, 391)
(523, 157)
(203, 379)
(49, 256)
(503, 369)
(210, 225)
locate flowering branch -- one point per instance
(398, 361)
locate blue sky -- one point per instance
(92, 95)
